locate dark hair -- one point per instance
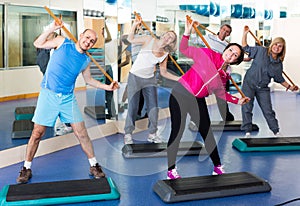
(241, 57)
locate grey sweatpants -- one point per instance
(134, 86)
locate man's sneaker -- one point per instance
(24, 176)
(278, 134)
(172, 174)
(193, 126)
(96, 171)
(247, 135)
(154, 138)
(63, 130)
(218, 170)
(128, 139)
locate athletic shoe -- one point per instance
(248, 135)
(63, 130)
(128, 139)
(154, 138)
(172, 174)
(193, 126)
(278, 134)
(218, 170)
(96, 171)
(24, 176)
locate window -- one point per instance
(24, 25)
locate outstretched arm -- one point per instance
(97, 84)
(289, 87)
(244, 38)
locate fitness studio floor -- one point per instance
(136, 177)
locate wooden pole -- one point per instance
(152, 34)
(198, 32)
(59, 21)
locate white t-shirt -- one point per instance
(145, 62)
(213, 41)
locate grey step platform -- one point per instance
(22, 129)
(24, 112)
(264, 144)
(160, 149)
(205, 187)
(96, 112)
(60, 192)
(230, 126)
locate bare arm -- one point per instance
(244, 38)
(108, 37)
(137, 40)
(289, 87)
(95, 83)
(42, 42)
(164, 72)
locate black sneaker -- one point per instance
(24, 176)
(96, 171)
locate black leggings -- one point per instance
(180, 104)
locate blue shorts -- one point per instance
(51, 105)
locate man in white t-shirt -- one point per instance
(217, 43)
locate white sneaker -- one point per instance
(63, 130)
(128, 139)
(248, 135)
(278, 134)
(154, 138)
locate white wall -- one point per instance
(286, 28)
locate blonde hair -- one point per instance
(275, 41)
(172, 46)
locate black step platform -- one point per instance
(22, 129)
(60, 192)
(160, 149)
(230, 126)
(24, 112)
(96, 112)
(204, 187)
(267, 144)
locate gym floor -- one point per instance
(136, 177)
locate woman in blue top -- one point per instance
(57, 99)
(267, 64)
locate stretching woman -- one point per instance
(188, 96)
(267, 64)
(141, 78)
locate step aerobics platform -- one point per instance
(267, 144)
(60, 192)
(96, 112)
(230, 126)
(160, 149)
(204, 187)
(22, 129)
(24, 112)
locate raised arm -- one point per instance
(131, 36)
(244, 38)
(44, 43)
